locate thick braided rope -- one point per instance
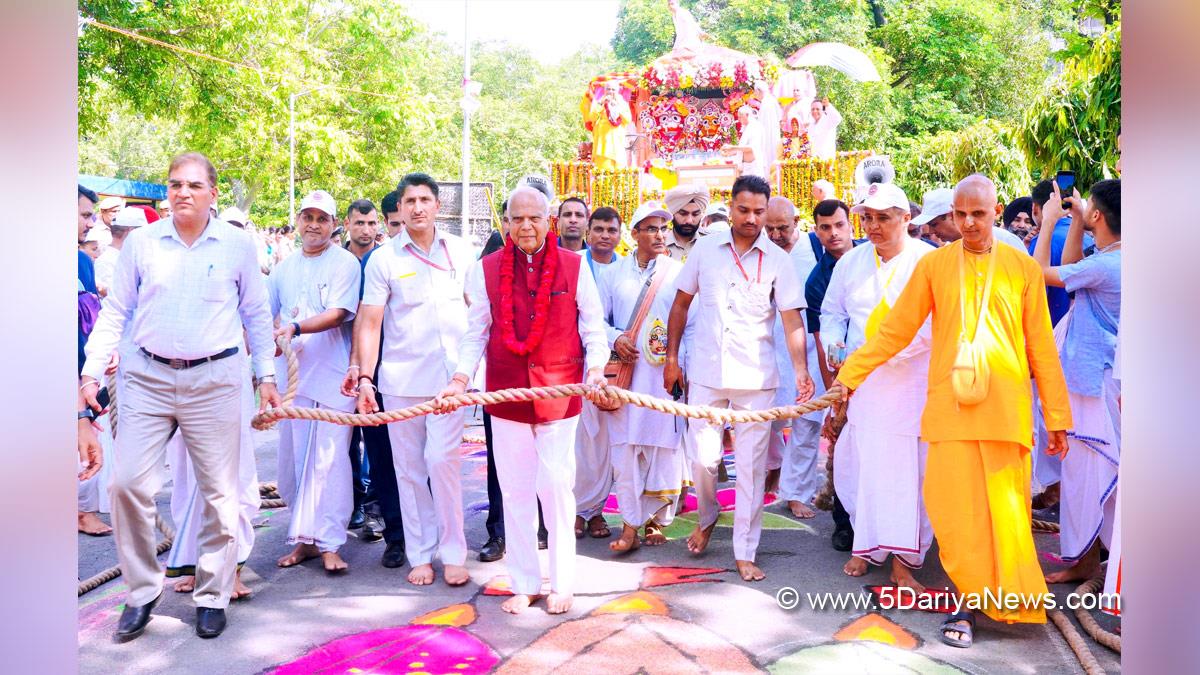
(1045, 526)
(94, 582)
(268, 417)
(1087, 660)
(1089, 623)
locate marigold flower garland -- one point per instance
(541, 303)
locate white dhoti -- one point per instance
(879, 464)
(425, 454)
(315, 480)
(1047, 470)
(537, 462)
(796, 455)
(750, 458)
(93, 492)
(593, 462)
(1089, 470)
(649, 480)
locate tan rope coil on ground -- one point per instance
(1075, 641)
(1044, 526)
(94, 582)
(1089, 623)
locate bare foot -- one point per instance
(186, 584)
(518, 603)
(455, 575)
(90, 524)
(800, 509)
(654, 535)
(240, 590)
(299, 554)
(559, 603)
(903, 576)
(421, 575)
(627, 542)
(698, 540)
(1085, 568)
(749, 571)
(855, 567)
(333, 562)
(772, 483)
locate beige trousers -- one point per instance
(204, 404)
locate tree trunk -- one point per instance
(877, 13)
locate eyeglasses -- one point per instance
(654, 230)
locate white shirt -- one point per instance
(855, 290)
(479, 320)
(301, 287)
(106, 264)
(822, 134)
(185, 302)
(802, 257)
(424, 316)
(737, 310)
(752, 137)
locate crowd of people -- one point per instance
(927, 331)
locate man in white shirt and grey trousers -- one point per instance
(185, 287)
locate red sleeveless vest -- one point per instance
(559, 359)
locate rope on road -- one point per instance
(111, 573)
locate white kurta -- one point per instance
(822, 134)
(879, 460)
(648, 456)
(593, 448)
(187, 506)
(314, 466)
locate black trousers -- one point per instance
(495, 517)
(841, 519)
(383, 491)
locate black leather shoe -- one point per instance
(543, 540)
(842, 540)
(134, 619)
(393, 555)
(493, 550)
(356, 519)
(209, 622)
(372, 529)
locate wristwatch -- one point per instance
(87, 414)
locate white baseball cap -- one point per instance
(716, 208)
(647, 210)
(882, 196)
(110, 202)
(235, 215)
(130, 216)
(827, 187)
(320, 200)
(937, 202)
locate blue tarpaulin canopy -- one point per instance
(124, 188)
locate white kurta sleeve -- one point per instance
(479, 322)
(835, 319)
(604, 286)
(591, 322)
(254, 308)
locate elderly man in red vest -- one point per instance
(540, 323)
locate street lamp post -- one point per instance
(292, 149)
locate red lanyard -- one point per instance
(419, 256)
(738, 262)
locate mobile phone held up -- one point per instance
(1066, 186)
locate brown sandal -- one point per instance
(598, 528)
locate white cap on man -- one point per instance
(111, 203)
(234, 215)
(937, 202)
(882, 196)
(648, 210)
(320, 200)
(826, 189)
(717, 209)
(130, 216)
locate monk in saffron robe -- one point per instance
(978, 469)
(609, 116)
